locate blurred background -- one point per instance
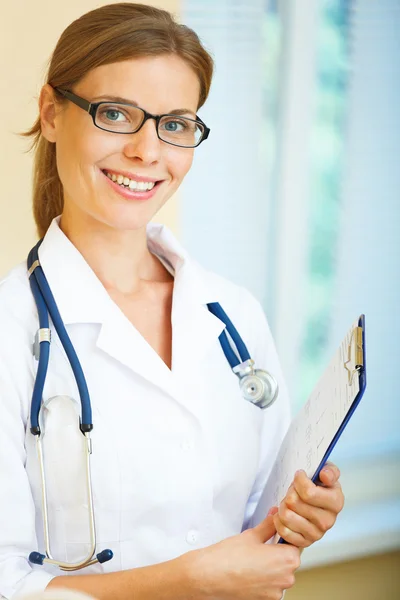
(295, 195)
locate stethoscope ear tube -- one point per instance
(91, 558)
(37, 558)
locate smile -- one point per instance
(132, 184)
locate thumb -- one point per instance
(266, 529)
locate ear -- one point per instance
(48, 110)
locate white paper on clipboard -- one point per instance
(315, 426)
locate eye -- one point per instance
(180, 131)
(112, 114)
(175, 125)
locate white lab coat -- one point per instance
(179, 457)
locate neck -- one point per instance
(119, 258)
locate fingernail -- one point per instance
(272, 511)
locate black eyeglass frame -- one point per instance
(92, 107)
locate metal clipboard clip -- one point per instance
(355, 354)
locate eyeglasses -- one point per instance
(125, 118)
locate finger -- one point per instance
(272, 511)
(329, 475)
(265, 530)
(291, 537)
(330, 498)
(322, 518)
(297, 524)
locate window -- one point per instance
(300, 203)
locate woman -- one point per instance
(179, 457)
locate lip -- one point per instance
(129, 194)
(132, 175)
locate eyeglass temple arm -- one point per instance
(85, 104)
(206, 129)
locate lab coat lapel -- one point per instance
(82, 299)
(195, 329)
(121, 341)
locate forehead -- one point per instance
(158, 84)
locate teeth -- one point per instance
(140, 186)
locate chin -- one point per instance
(131, 220)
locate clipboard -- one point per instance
(317, 427)
(355, 366)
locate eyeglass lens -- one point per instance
(119, 118)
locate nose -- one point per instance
(144, 145)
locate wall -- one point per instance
(372, 578)
(28, 33)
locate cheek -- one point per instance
(179, 161)
(77, 156)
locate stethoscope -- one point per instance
(257, 386)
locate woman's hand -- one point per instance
(243, 567)
(308, 510)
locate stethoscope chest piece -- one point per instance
(257, 386)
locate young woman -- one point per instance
(179, 456)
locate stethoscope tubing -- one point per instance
(239, 361)
(43, 358)
(46, 306)
(45, 299)
(216, 309)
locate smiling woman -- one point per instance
(92, 145)
(133, 43)
(181, 451)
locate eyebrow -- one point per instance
(121, 100)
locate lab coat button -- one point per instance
(192, 536)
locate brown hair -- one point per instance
(112, 33)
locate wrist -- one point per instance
(195, 577)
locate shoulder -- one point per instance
(225, 289)
(14, 288)
(18, 324)
(208, 285)
(17, 308)
(242, 307)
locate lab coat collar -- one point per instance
(78, 292)
(81, 298)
